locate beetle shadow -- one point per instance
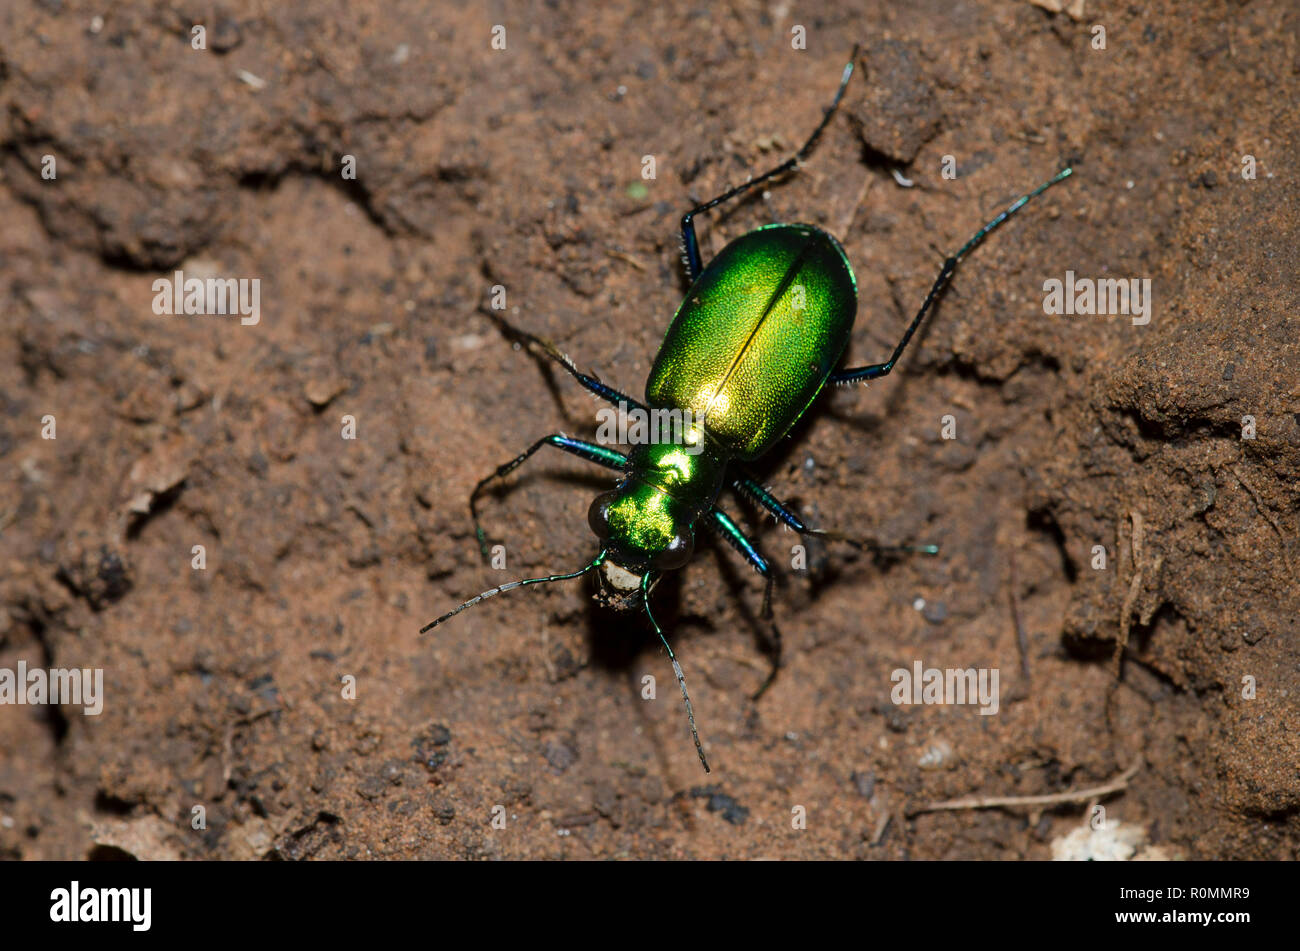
(615, 639)
(748, 604)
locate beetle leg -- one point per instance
(690, 245)
(748, 487)
(722, 523)
(877, 370)
(609, 458)
(589, 381)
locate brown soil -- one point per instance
(475, 167)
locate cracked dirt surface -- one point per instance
(522, 168)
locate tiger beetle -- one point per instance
(752, 345)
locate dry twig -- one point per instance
(1118, 784)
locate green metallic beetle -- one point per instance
(756, 339)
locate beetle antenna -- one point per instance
(677, 668)
(516, 584)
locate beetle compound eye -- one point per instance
(677, 553)
(598, 515)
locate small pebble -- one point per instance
(865, 783)
(935, 612)
(936, 755)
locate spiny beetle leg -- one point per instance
(609, 458)
(748, 487)
(690, 245)
(589, 381)
(723, 524)
(877, 370)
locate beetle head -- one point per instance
(639, 528)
